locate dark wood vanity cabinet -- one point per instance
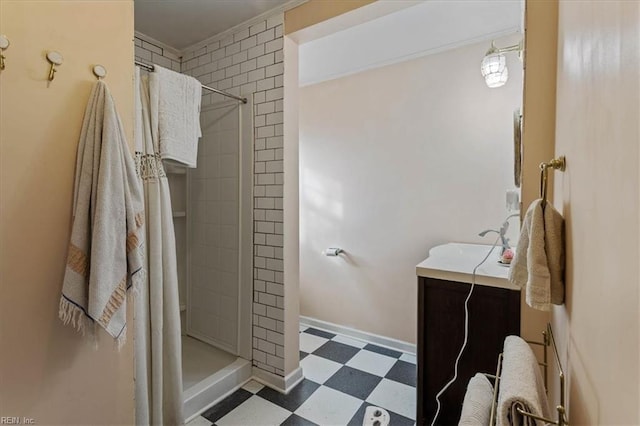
(494, 313)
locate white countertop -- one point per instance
(455, 262)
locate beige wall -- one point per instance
(388, 173)
(539, 97)
(48, 371)
(539, 112)
(315, 11)
(597, 129)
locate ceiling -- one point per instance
(182, 23)
(423, 28)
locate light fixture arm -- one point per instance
(498, 50)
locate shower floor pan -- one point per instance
(209, 375)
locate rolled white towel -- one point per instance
(476, 407)
(521, 385)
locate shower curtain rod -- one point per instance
(151, 68)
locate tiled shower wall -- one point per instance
(214, 249)
(149, 53)
(250, 61)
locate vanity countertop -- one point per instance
(455, 262)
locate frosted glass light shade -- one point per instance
(494, 70)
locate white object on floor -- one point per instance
(376, 416)
(175, 107)
(396, 397)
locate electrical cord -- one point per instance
(466, 332)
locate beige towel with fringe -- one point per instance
(105, 255)
(538, 264)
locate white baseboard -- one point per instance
(375, 339)
(215, 388)
(279, 383)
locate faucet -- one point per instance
(502, 232)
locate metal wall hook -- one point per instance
(54, 58)
(4, 44)
(99, 71)
(560, 164)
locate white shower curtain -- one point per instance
(158, 353)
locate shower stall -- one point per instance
(212, 209)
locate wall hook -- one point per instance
(99, 71)
(4, 44)
(54, 58)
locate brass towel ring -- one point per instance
(559, 163)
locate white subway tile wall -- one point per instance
(214, 228)
(149, 53)
(250, 62)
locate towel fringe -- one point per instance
(71, 314)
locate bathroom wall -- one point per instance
(150, 51)
(539, 122)
(539, 98)
(249, 59)
(597, 129)
(48, 371)
(394, 161)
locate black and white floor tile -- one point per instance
(343, 376)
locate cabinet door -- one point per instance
(494, 313)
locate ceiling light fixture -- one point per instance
(494, 64)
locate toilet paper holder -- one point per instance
(332, 251)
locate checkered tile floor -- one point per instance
(343, 376)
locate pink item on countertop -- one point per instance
(507, 256)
